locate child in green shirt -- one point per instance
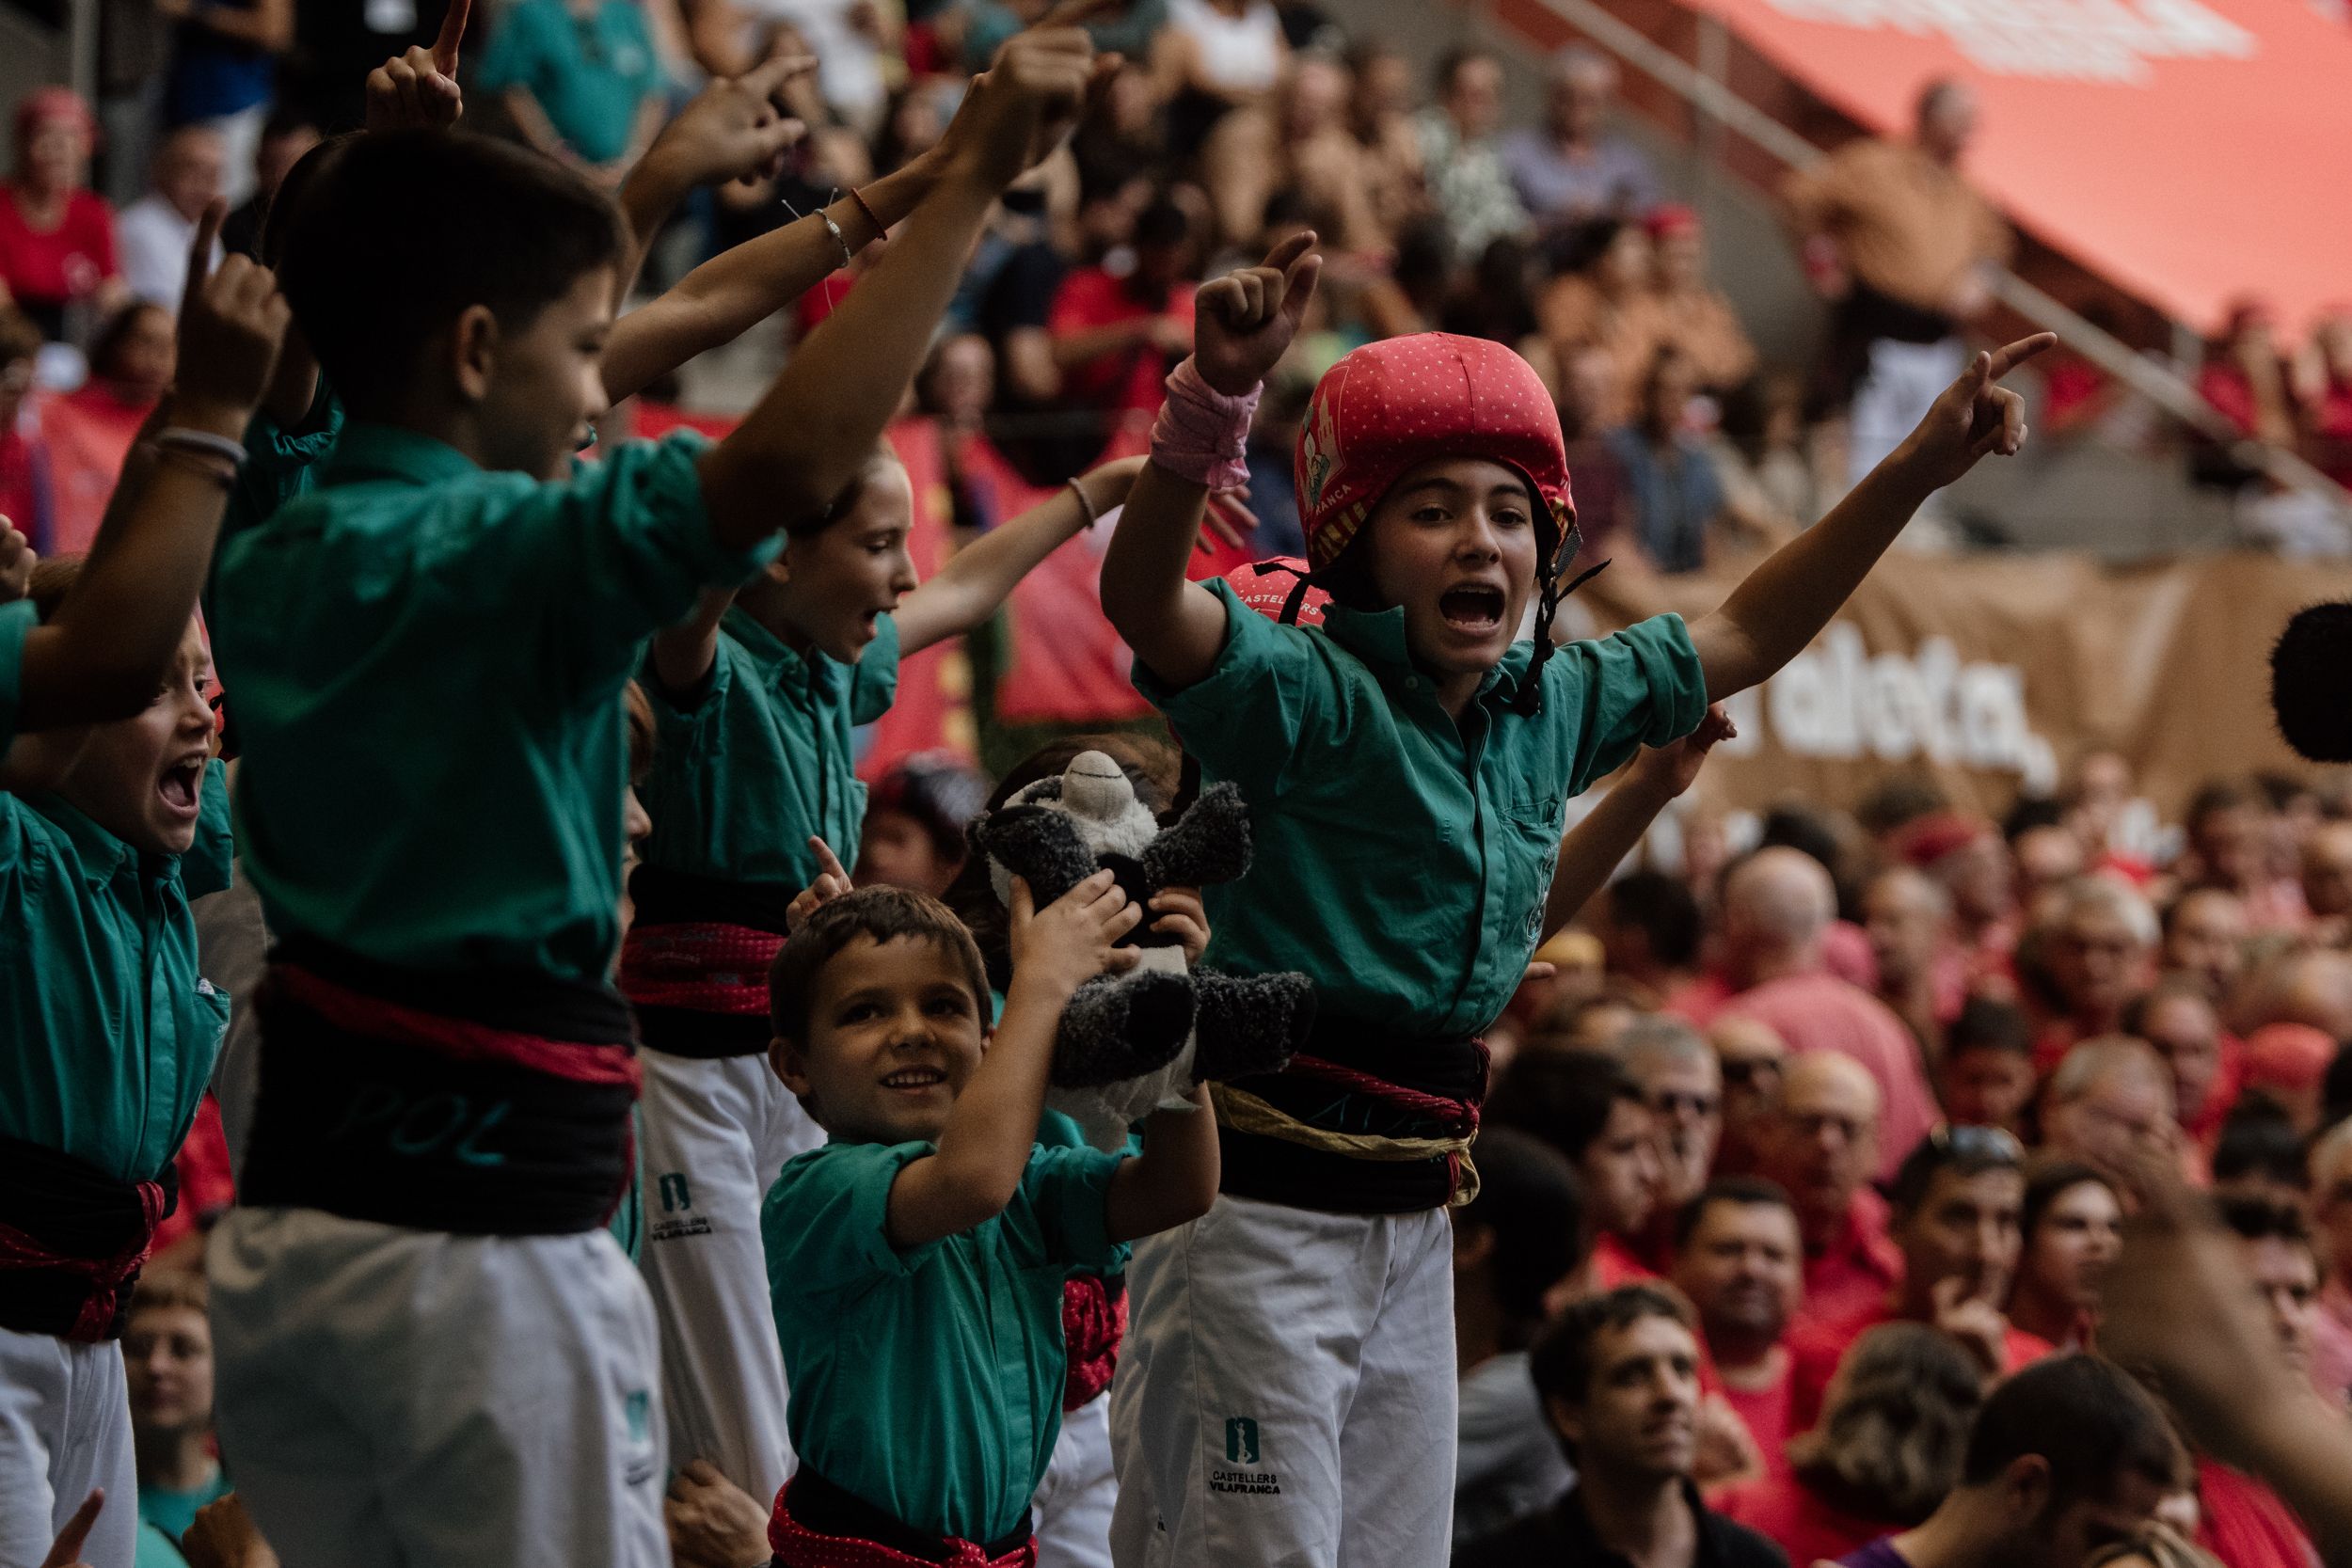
(1289, 1395)
(917, 1258)
(427, 1338)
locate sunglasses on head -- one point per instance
(1978, 1142)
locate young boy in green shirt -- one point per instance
(757, 696)
(917, 1258)
(430, 1349)
(107, 1031)
(1289, 1395)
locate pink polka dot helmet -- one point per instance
(1392, 405)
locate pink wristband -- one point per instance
(1202, 434)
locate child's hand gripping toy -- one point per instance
(1140, 1041)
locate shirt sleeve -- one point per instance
(618, 550)
(826, 1220)
(1243, 718)
(1640, 686)
(1066, 1192)
(17, 621)
(874, 678)
(279, 459)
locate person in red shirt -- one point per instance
(2242, 1521)
(2093, 954)
(88, 431)
(1886, 1451)
(1750, 1057)
(26, 487)
(2072, 1225)
(1820, 1144)
(1921, 973)
(1965, 854)
(57, 235)
(1738, 1256)
(1958, 1197)
(2230, 845)
(2108, 1099)
(1116, 333)
(1987, 1072)
(1778, 905)
(2178, 1021)
(1589, 1108)
(2205, 937)
(1684, 1088)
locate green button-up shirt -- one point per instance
(589, 73)
(17, 620)
(763, 758)
(427, 663)
(1402, 857)
(107, 1031)
(929, 1381)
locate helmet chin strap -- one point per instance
(1530, 700)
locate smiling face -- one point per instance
(1743, 1269)
(142, 778)
(536, 389)
(1453, 544)
(894, 1035)
(832, 585)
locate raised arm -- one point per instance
(734, 129)
(806, 439)
(1241, 323)
(984, 1149)
(979, 578)
(683, 654)
(1596, 847)
(1785, 602)
(737, 288)
(99, 657)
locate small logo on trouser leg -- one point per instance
(1241, 1448)
(677, 1199)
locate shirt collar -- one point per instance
(783, 662)
(102, 855)
(1376, 638)
(366, 450)
(1584, 1544)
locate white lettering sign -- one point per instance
(2080, 40)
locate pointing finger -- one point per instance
(453, 30)
(2009, 356)
(769, 77)
(826, 859)
(1281, 258)
(201, 249)
(69, 1543)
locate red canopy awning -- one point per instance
(2192, 151)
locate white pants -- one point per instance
(1286, 1396)
(411, 1399)
(65, 1427)
(1896, 392)
(1073, 1501)
(717, 1132)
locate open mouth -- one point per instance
(181, 785)
(1474, 607)
(914, 1079)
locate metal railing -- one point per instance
(2169, 392)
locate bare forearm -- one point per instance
(1174, 626)
(1173, 1181)
(1596, 847)
(1784, 604)
(985, 1146)
(683, 654)
(979, 578)
(735, 290)
(100, 656)
(539, 131)
(815, 426)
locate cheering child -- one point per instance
(1289, 1394)
(427, 1340)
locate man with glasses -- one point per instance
(1749, 1056)
(1958, 1200)
(1680, 1078)
(1821, 1145)
(2108, 1099)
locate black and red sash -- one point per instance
(694, 964)
(1354, 1079)
(476, 1102)
(72, 1242)
(818, 1524)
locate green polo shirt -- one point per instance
(17, 620)
(929, 1381)
(589, 73)
(428, 662)
(105, 1057)
(1402, 857)
(764, 756)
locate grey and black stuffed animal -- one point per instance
(1135, 1042)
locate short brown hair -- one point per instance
(881, 913)
(1562, 1362)
(162, 1288)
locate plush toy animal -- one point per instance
(1135, 1042)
